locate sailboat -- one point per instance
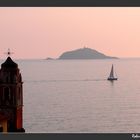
(111, 76)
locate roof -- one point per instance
(9, 63)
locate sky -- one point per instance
(41, 32)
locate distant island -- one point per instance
(84, 53)
(50, 58)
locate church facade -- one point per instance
(11, 97)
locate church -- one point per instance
(11, 97)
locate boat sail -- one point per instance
(111, 76)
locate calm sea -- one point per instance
(74, 96)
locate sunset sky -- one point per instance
(49, 31)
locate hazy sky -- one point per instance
(49, 31)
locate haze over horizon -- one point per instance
(41, 32)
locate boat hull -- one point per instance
(111, 79)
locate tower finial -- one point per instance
(8, 53)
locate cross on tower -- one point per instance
(8, 53)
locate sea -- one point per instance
(74, 96)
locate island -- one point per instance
(49, 58)
(84, 53)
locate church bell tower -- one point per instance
(11, 95)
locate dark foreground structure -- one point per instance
(11, 97)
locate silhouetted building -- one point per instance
(11, 97)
